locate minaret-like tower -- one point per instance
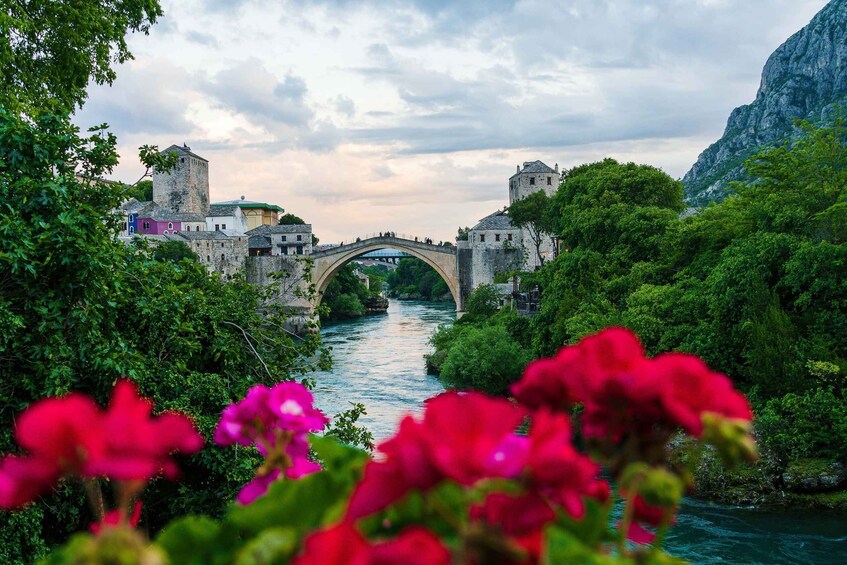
(185, 189)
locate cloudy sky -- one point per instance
(368, 115)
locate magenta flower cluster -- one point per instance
(277, 421)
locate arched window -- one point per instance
(170, 226)
(223, 256)
(187, 228)
(208, 258)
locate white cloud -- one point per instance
(420, 110)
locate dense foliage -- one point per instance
(756, 285)
(416, 280)
(475, 479)
(346, 296)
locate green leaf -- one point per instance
(275, 545)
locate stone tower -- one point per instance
(185, 189)
(534, 176)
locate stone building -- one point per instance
(227, 218)
(497, 248)
(218, 252)
(257, 213)
(185, 188)
(281, 240)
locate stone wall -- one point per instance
(491, 257)
(224, 255)
(287, 273)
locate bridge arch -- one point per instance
(442, 259)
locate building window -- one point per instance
(208, 258)
(223, 257)
(532, 180)
(146, 225)
(284, 238)
(223, 226)
(299, 238)
(170, 226)
(131, 229)
(482, 238)
(496, 237)
(299, 249)
(510, 237)
(217, 227)
(222, 244)
(284, 250)
(549, 181)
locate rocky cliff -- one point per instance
(806, 77)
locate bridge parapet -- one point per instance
(395, 242)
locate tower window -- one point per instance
(223, 256)
(532, 180)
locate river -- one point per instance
(378, 361)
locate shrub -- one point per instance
(486, 359)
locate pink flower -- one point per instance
(113, 518)
(257, 487)
(66, 432)
(71, 436)
(406, 466)
(414, 546)
(139, 446)
(464, 431)
(515, 515)
(23, 479)
(556, 468)
(338, 545)
(246, 420)
(291, 405)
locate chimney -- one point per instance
(519, 169)
(557, 167)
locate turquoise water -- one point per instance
(378, 361)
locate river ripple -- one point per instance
(378, 361)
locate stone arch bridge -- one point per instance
(443, 259)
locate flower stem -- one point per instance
(94, 494)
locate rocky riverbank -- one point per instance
(804, 483)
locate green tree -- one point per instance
(291, 220)
(174, 251)
(533, 213)
(486, 359)
(55, 48)
(483, 302)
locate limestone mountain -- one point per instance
(806, 77)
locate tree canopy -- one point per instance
(52, 49)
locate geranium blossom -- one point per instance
(71, 436)
(277, 421)
(625, 393)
